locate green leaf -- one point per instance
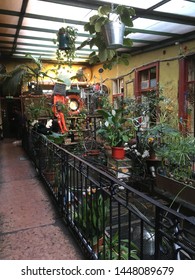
(127, 42)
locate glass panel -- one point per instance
(147, 37)
(30, 33)
(191, 95)
(154, 25)
(8, 19)
(11, 5)
(191, 70)
(135, 3)
(191, 107)
(57, 10)
(177, 7)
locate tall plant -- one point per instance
(116, 128)
(24, 73)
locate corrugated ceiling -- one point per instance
(30, 26)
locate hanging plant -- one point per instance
(66, 40)
(107, 52)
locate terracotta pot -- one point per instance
(50, 176)
(97, 246)
(118, 152)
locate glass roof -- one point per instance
(31, 26)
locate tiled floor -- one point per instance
(30, 226)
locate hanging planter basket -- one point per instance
(114, 33)
(118, 152)
(64, 42)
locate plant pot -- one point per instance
(118, 152)
(63, 42)
(98, 245)
(113, 33)
(50, 176)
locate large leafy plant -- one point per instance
(116, 128)
(92, 215)
(24, 73)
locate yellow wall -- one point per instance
(168, 59)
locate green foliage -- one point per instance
(66, 56)
(114, 252)
(116, 128)
(37, 107)
(24, 73)
(57, 138)
(105, 14)
(92, 215)
(177, 154)
(175, 150)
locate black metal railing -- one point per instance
(109, 218)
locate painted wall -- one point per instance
(168, 69)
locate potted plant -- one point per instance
(116, 19)
(116, 130)
(174, 152)
(66, 40)
(176, 174)
(91, 216)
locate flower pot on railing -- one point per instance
(118, 152)
(114, 33)
(176, 188)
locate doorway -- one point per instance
(9, 123)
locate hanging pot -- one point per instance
(114, 33)
(64, 43)
(118, 152)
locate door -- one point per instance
(9, 125)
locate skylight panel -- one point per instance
(178, 7)
(57, 10)
(147, 37)
(135, 3)
(35, 48)
(38, 34)
(143, 23)
(8, 19)
(162, 26)
(34, 41)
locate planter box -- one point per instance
(174, 187)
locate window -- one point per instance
(191, 95)
(118, 92)
(118, 86)
(146, 82)
(147, 78)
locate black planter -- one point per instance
(176, 188)
(64, 43)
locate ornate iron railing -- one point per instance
(109, 218)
